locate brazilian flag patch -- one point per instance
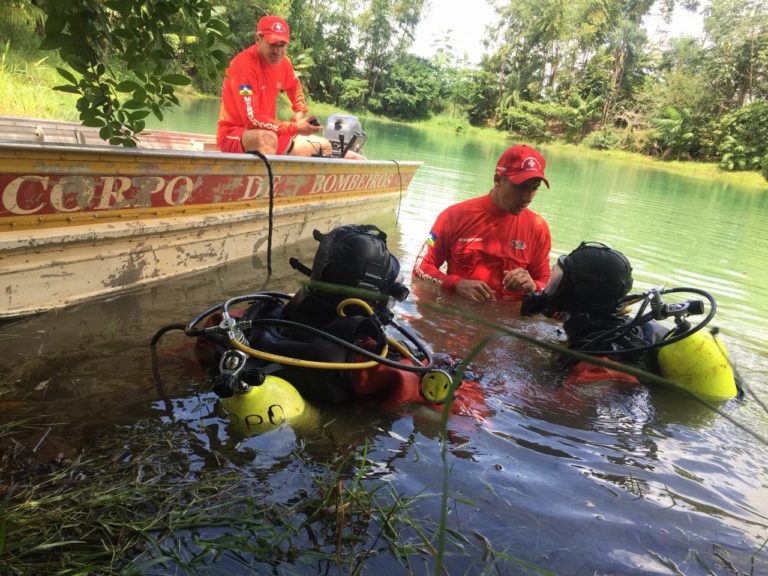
(431, 238)
(245, 90)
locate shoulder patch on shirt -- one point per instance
(431, 238)
(245, 90)
(518, 244)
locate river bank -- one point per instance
(21, 95)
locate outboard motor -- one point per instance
(345, 133)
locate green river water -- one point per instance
(597, 481)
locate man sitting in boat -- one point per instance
(589, 290)
(253, 81)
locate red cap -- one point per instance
(274, 29)
(521, 163)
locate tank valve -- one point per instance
(230, 327)
(227, 382)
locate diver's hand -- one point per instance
(298, 117)
(518, 279)
(476, 290)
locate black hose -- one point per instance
(652, 316)
(270, 225)
(400, 200)
(190, 330)
(421, 369)
(164, 330)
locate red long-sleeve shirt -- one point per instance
(249, 98)
(479, 241)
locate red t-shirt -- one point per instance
(479, 241)
(249, 98)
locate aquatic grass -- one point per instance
(103, 512)
(135, 504)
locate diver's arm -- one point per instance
(539, 269)
(434, 253)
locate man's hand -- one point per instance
(307, 128)
(518, 279)
(476, 290)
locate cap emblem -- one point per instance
(530, 163)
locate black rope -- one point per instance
(270, 226)
(400, 200)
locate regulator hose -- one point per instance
(191, 329)
(674, 335)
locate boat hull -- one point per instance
(79, 222)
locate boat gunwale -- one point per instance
(61, 147)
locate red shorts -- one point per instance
(234, 145)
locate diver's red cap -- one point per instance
(520, 163)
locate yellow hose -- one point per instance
(402, 349)
(298, 362)
(353, 302)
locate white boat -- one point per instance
(81, 219)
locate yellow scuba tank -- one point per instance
(700, 364)
(264, 407)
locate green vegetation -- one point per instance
(139, 501)
(579, 72)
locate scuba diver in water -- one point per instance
(267, 352)
(589, 290)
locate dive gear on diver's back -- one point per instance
(589, 288)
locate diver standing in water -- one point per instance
(589, 290)
(495, 247)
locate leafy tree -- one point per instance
(451, 73)
(242, 16)
(408, 90)
(528, 32)
(681, 79)
(20, 24)
(353, 93)
(332, 33)
(743, 137)
(386, 31)
(20, 12)
(122, 53)
(583, 112)
(478, 96)
(674, 133)
(738, 58)
(626, 43)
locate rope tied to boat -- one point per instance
(400, 199)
